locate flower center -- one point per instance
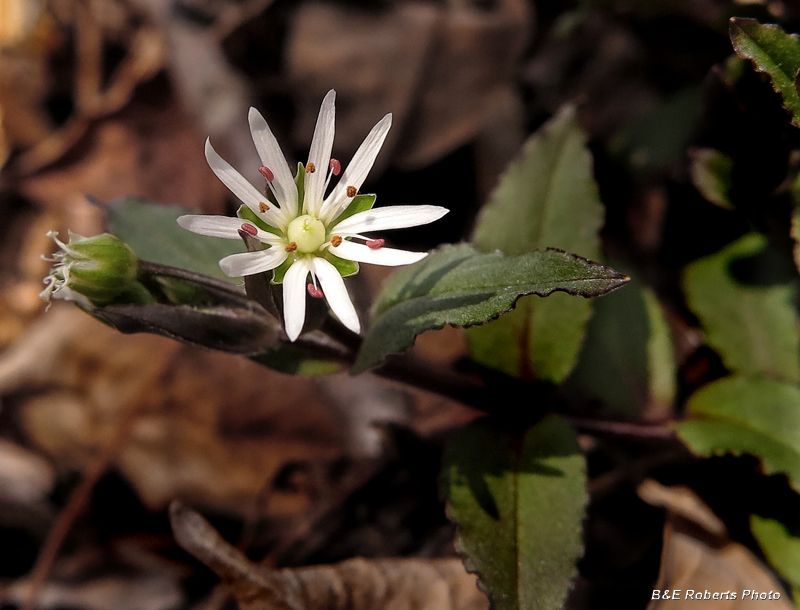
(307, 232)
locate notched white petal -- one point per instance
(272, 157)
(390, 217)
(336, 294)
(294, 298)
(212, 226)
(249, 263)
(358, 169)
(388, 257)
(239, 186)
(320, 154)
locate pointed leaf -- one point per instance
(519, 500)
(153, 233)
(741, 415)
(627, 362)
(547, 198)
(772, 51)
(459, 286)
(753, 328)
(227, 329)
(781, 549)
(712, 175)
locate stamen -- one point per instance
(291, 246)
(267, 173)
(336, 241)
(248, 228)
(314, 291)
(310, 168)
(262, 207)
(375, 243)
(351, 191)
(336, 167)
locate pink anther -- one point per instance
(248, 228)
(336, 167)
(314, 291)
(375, 243)
(267, 173)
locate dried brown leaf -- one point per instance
(216, 429)
(698, 558)
(356, 584)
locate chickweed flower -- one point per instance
(89, 270)
(307, 233)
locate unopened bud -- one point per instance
(90, 270)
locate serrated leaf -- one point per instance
(773, 51)
(743, 415)
(753, 328)
(519, 501)
(547, 198)
(781, 549)
(458, 285)
(627, 361)
(712, 175)
(153, 233)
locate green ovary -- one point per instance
(307, 232)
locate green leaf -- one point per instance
(547, 198)
(712, 175)
(773, 51)
(753, 328)
(627, 361)
(519, 500)
(459, 286)
(744, 415)
(153, 233)
(781, 549)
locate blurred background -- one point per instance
(103, 99)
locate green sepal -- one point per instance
(279, 271)
(344, 267)
(300, 181)
(360, 203)
(249, 215)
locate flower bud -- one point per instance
(91, 271)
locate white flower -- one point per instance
(306, 236)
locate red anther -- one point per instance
(314, 291)
(267, 173)
(375, 243)
(248, 228)
(336, 167)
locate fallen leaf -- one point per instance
(700, 559)
(355, 584)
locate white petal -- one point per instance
(336, 294)
(272, 157)
(226, 227)
(388, 257)
(212, 226)
(390, 217)
(294, 298)
(239, 186)
(320, 154)
(248, 263)
(357, 170)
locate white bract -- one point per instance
(306, 236)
